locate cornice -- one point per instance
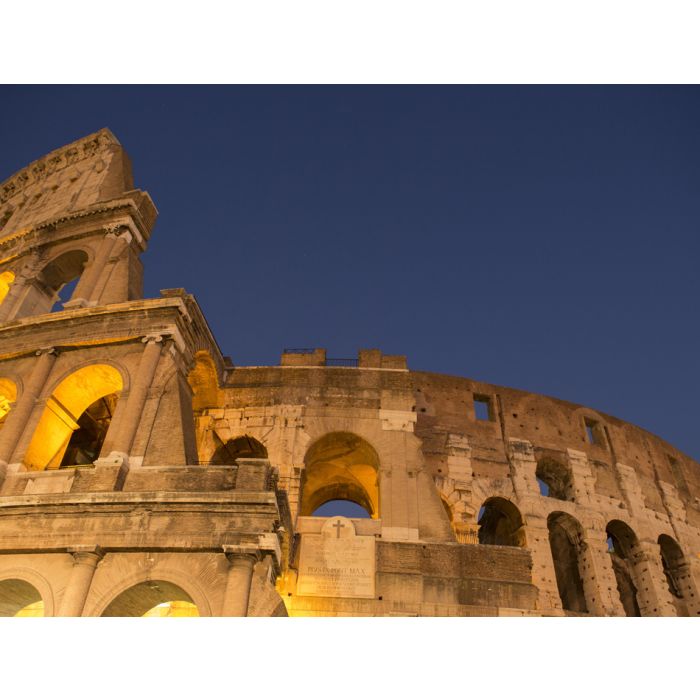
(61, 158)
(126, 322)
(124, 204)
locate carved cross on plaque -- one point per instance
(337, 525)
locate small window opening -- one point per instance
(594, 432)
(482, 407)
(544, 489)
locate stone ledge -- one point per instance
(126, 498)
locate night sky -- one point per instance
(544, 238)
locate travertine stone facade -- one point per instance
(141, 471)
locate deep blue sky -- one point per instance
(543, 238)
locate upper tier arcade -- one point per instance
(72, 228)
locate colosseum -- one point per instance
(143, 473)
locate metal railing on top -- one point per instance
(342, 362)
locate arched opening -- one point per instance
(676, 572)
(554, 480)
(622, 547)
(567, 544)
(8, 395)
(341, 467)
(54, 285)
(6, 280)
(20, 599)
(152, 599)
(87, 439)
(75, 420)
(244, 447)
(348, 509)
(500, 523)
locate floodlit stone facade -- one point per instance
(141, 472)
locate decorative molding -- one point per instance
(56, 160)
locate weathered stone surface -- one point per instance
(139, 467)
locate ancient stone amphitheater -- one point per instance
(142, 473)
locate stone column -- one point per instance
(582, 478)
(85, 562)
(122, 241)
(653, 595)
(136, 400)
(543, 574)
(689, 576)
(241, 560)
(89, 278)
(600, 584)
(17, 418)
(523, 465)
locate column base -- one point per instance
(76, 304)
(116, 461)
(113, 459)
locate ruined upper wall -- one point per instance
(444, 407)
(93, 169)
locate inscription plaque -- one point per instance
(337, 563)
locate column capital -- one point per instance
(87, 554)
(116, 229)
(238, 554)
(46, 351)
(153, 339)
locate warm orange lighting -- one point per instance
(203, 380)
(173, 608)
(8, 395)
(67, 403)
(32, 610)
(341, 466)
(6, 280)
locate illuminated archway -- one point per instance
(341, 467)
(8, 395)
(18, 598)
(500, 523)
(6, 280)
(79, 406)
(152, 599)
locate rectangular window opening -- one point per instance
(482, 407)
(594, 432)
